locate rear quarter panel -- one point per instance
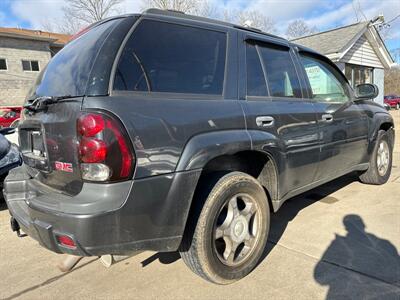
(160, 128)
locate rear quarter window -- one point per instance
(172, 58)
(68, 72)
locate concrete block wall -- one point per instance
(14, 82)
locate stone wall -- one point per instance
(14, 82)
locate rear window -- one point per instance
(68, 72)
(165, 57)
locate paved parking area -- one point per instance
(341, 240)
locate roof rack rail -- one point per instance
(256, 30)
(175, 13)
(248, 28)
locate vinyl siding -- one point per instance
(363, 54)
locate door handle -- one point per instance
(327, 118)
(265, 121)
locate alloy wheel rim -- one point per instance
(236, 230)
(382, 158)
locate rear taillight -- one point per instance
(104, 149)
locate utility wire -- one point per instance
(392, 19)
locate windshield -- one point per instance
(67, 73)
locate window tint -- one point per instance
(3, 64)
(256, 85)
(163, 57)
(326, 84)
(281, 74)
(68, 72)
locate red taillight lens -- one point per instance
(90, 124)
(126, 157)
(104, 148)
(66, 241)
(92, 150)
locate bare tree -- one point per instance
(250, 18)
(206, 9)
(186, 6)
(66, 25)
(81, 13)
(90, 11)
(392, 79)
(256, 19)
(299, 28)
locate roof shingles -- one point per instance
(331, 41)
(57, 38)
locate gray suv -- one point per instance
(167, 132)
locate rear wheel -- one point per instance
(230, 235)
(380, 165)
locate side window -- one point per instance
(326, 84)
(256, 84)
(165, 57)
(281, 74)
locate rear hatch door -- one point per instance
(48, 136)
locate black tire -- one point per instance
(199, 244)
(373, 175)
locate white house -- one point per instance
(357, 49)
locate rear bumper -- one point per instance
(150, 216)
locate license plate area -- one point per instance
(37, 144)
(33, 149)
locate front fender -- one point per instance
(378, 119)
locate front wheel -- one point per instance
(380, 165)
(231, 231)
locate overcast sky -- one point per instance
(323, 14)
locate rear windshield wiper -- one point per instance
(40, 103)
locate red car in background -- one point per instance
(392, 100)
(9, 114)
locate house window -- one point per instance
(358, 74)
(3, 64)
(30, 65)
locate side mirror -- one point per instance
(366, 91)
(7, 130)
